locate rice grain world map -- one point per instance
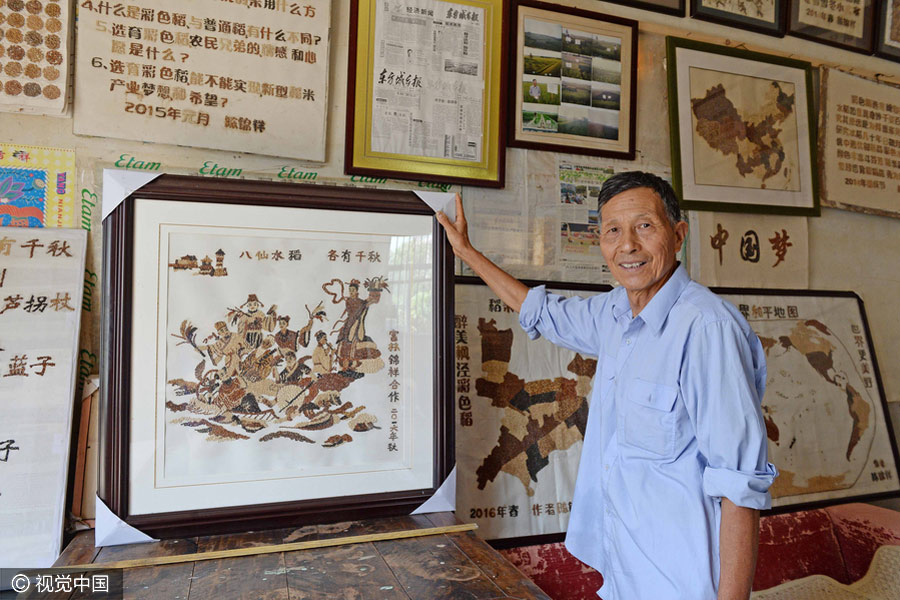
(744, 131)
(823, 410)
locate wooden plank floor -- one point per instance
(457, 566)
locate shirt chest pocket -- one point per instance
(650, 416)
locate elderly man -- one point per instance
(674, 468)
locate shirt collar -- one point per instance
(656, 311)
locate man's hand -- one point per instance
(511, 290)
(457, 232)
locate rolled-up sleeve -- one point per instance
(569, 322)
(723, 393)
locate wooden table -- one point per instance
(452, 566)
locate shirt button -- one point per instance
(606, 467)
(628, 342)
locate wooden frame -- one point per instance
(600, 115)
(863, 42)
(125, 268)
(848, 384)
(733, 17)
(479, 157)
(667, 7)
(716, 164)
(887, 42)
(488, 335)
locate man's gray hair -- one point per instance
(622, 182)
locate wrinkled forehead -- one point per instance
(632, 204)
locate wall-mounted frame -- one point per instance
(742, 128)
(826, 415)
(503, 378)
(849, 25)
(274, 354)
(425, 94)
(573, 83)
(764, 16)
(668, 7)
(887, 43)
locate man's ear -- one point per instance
(681, 230)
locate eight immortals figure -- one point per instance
(355, 350)
(252, 322)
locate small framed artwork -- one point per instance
(425, 94)
(888, 38)
(742, 129)
(573, 86)
(668, 7)
(849, 24)
(275, 355)
(762, 16)
(826, 415)
(522, 412)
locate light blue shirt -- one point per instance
(675, 424)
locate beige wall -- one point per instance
(848, 251)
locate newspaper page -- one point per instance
(428, 79)
(242, 75)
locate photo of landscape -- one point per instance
(571, 80)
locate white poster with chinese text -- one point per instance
(743, 250)
(249, 75)
(41, 281)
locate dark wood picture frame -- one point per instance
(864, 44)
(119, 255)
(877, 386)
(572, 143)
(750, 23)
(882, 48)
(681, 130)
(522, 540)
(666, 7)
(360, 159)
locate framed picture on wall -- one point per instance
(521, 415)
(742, 129)
(425, 95)
(849, 25)
(888, 39)
(573, 86)
(826, 415)
(275, 355)
(668, 7)
(763, 16)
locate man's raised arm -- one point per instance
(508, 288)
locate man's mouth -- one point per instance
(630, 266)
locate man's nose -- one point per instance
(629, 241)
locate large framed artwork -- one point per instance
(849, 24)
(274, 353)
(742, 129)
(425, 95)
(887, 43)
(573, 87)
(763, 16)
(521, 414)
(826, 416)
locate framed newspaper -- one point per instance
(825, 410)
(425, 96)
(521, 410)
(573, 86)
(275, 354)
(743, 130)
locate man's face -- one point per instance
(282, 325)
(638, 242)
(252, 306)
